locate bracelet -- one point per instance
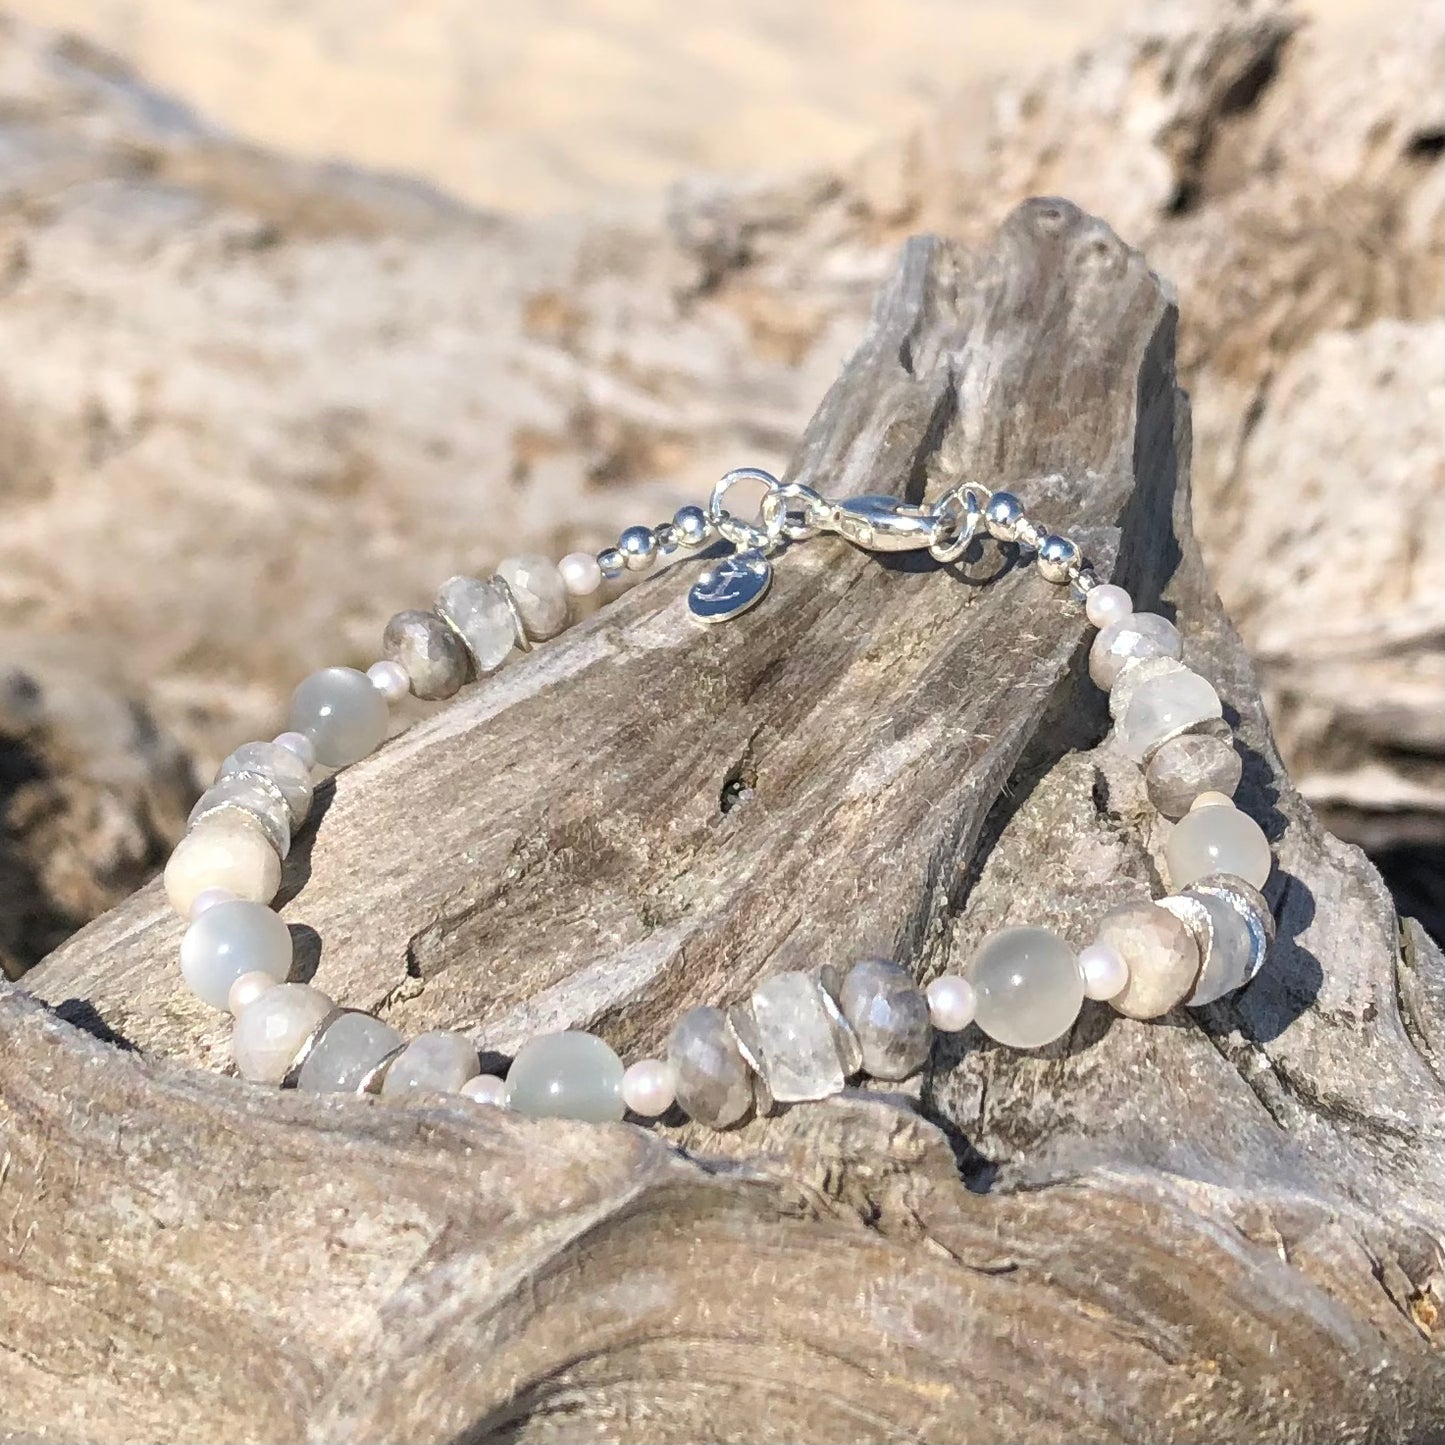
(800, 1035)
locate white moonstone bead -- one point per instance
(247, 989)
(390, 679)
(648, 1088)
(486, 1089)
(1029, 985)
(540, 594)
(952, 1003)
(227, 850)
(437, 1061)
(581, 575)
(229, 940)
(1161, 708)
(1107, 604)
(352, 1046)
(1139, 635)
(1104, 969)
(299, 744)
(1161, 955)
(270, 1031)
(571, 1075)
(1217, 840)
(208, 898)
(342, 713)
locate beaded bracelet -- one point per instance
(800, 1035)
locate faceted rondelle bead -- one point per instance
(570, 1075)
(1105, 972)
(648, 1089)
(342, 713)
(486, 1089)
(581, 575)
(808, 1049)
(1217, 840)
(438, 1061)
(229, 940)
(952, 1003)
(889, 1013)
(1164, 707)
(1139, 635)
(1189, 767)
(1144, 669)
(435, 658)
(352, 1046)
(1160, 953)
(1107, 604)
(257, 797)
(227, 850)
(713, 1081)
(281, 766)
(539, 592)
(1029, 987)
(270, 1031)
(481, 616)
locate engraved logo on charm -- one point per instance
(729, 587)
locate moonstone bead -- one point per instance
(247, 989)
(269, 1032)
(1139, 635)
(257, 797)
(231, 939)
(952, 1003)
(1189, 767)
(539, 592)
(1029, 987)
(581, 575)
(486, 1089)
(227, 850)
(437, 1061)
(1129, 678)
(714, 1083)
(1160, 953)
(1105, 972)
(279, 765)
(1162, 708)
(480, 615)
(342, 713)
(648, 1088)
(352, 1046)
(1217, 840)
(889, 1014)
(433, 655)
(571, 1075)
(798, 1028)
(1107, 604)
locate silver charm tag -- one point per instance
(729, 587)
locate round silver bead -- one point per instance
(612, 563)
(1056, 556)
(1002, 516)
(692, 526)
(638, 546)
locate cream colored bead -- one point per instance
(226, 850)
(1211, 800)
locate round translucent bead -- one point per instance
(390, 679)
(352, 1046)
(540, 594)
(438, 1061)
(1107, 604)
(952, 1003)
(228, 940)
(1029, 987)
(889, 1014)
(648, 1088)
(581, 575)
(571, 1075)
(227, 850)
(270, 1031)
(247, 989)
(486, 1089)
(1105, 972)
(1161, 708)
(1217, 840)
(1137, 636)
(342, 713)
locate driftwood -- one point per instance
(1221, 1227)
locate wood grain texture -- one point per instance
(1223, 1226)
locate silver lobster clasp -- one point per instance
(885, 524)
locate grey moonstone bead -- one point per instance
(571, 1075)
(1139, 635)
(539, 592)
(229, 939)
(1162, 953)
(437, 1061)
(714, 1083)
(889, 1014)
(435, 659)
(353, 1044)
(259, 799)
(270, 1031)
(342, 713)
(1186, 766)
(481, 616)
(279, 766)
(1029, 987)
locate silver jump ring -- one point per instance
(800, 523)
(772, 510)
(959, 514)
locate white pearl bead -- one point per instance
(580, 573)
(299, 744)
(1106, 604)
(1211, 800)
(389, 679)
(648, 1088)
(486, 1089)
(208, 898)
(951, 1003)
(227, 850)
(247, 989)
(1105, 972)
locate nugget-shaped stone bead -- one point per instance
(1161, 953)
(257, 797)
(352, 1046)
(1028, 985)
(481, 616)
(269, 1032)
(1139, 635)
(1162, 708)
(713, 1081)
(279, 766)
(226, 850)
(1187, 767)
(433, 655)
(539, 592)
(438, 1061)
(1217, 840)
(571, 1075)
(808, 1050)
(889, 1013)
(342, 713)
(233, 938)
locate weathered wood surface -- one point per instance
(1222, 1227)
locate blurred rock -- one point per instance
(248, 407)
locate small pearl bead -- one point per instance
(1104, 969)
(389, 679)
(208, 898)
(247, 989)
(648, 1088)
(299, 744)
(486, 1089)
(1106, 604)
(1211, 800)
(951, 1003)
(581, 575)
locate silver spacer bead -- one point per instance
(524, 643)
(638, 546)
(666, 536)
(1030, 534)
(1002, 516)
(1056, 556)
(612, 562)
(692, 525)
